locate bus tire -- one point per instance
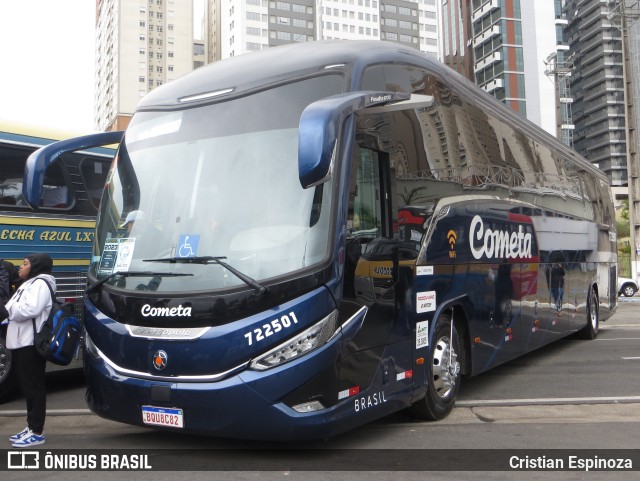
(590, 331)
(8, 379)
(443, 374)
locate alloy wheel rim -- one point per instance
(445, 368)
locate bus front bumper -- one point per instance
(247, 405)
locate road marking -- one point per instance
(617, 326)
(630, 358)
(620, 339)
(50, 412)
(468, 403)
(549, 401)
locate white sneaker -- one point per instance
(30, 439)
(19, 436)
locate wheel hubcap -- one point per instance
(446, 367)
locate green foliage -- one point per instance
(624, 211)
(623, 228)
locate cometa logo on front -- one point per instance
(498, 244)
(179, 311)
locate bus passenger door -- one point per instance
(378, 355)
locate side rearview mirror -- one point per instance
(321, 121)
(39, 160)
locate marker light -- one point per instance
(312, 338)
(203, 96)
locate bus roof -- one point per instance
(248, 71)
(233, 76)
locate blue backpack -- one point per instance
(59, 338)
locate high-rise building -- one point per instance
(501, 46)
(597, 85)
(144, 43)
(140, 44)
(457, 47)
(250, 25)
(559, 70)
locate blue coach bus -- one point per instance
(298, 241)
(63, 223)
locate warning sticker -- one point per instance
(422, 334)
(425, 301)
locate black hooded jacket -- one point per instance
(41, 263)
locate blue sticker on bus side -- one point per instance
(188, 245)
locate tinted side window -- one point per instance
(94, 175)
(56, 193)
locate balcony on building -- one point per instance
(493, 85)
(487, 34)
(485, 9)
(488, 60)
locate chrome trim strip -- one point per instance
(350, 320)
(145, 375)
(166, 333)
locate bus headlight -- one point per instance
(308, 340)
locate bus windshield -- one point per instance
(218, 181)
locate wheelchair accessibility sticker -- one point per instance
(188, 245)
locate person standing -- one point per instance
(557, 284)
(32, 300)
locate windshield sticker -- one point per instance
(109, 254)
(125, 254)
(188, 245)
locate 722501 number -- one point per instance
(261, 333)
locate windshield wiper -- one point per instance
(132, 274)
(260, 289)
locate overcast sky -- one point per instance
(47, 63)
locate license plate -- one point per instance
(169, 417)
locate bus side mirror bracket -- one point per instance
(39, 160)
(320, 125)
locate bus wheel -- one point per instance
(590, 331)
(443, 373)
(8, 379)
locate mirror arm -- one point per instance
(320, 125)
